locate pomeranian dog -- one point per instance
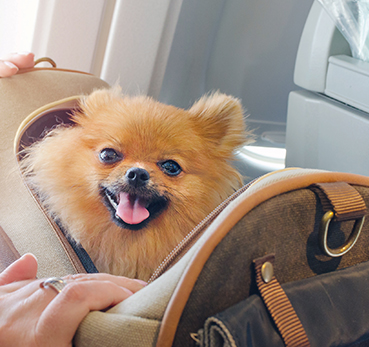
(133, 176)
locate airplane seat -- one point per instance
(328, 119)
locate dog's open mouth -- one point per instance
(133, 211)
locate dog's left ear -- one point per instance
(220, 119)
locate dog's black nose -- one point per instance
(137, 177)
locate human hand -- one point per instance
(10, 65)
(35, 316)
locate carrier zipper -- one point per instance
(190, 238)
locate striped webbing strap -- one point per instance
(278, 305)
(341, 198)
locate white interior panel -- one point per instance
(325, 134)
(320, 39)
(348, 81)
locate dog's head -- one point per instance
(150, 158)
(135, 173)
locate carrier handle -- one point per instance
(45, 60)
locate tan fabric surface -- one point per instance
(101, 329)
(19, 215)
(136, 321)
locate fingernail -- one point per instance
(31, 254)
(11, 65)
(141, 282)
(23, 53)
(127, 291)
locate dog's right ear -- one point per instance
(219, 118)
(92, 104)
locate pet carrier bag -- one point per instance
(283, 261)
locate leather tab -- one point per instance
(342, 199)
(8, 253)
(278, 304)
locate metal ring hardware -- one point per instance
(55, 283)
(323, 236)
(47, 60)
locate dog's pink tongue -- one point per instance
(131, 209)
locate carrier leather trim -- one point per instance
(35, 69)
(280, 308)
(8, 253)
(270, 186)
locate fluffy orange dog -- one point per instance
(134, 176)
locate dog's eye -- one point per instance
(170, 167)
(110, 156)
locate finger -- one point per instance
(7, 69)
(22, 60)
(133, 285)
(60, 320)
(20, 313)
(25, 268)
(27, 291)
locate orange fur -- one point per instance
(65, 170)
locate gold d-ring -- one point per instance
(323, 236)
